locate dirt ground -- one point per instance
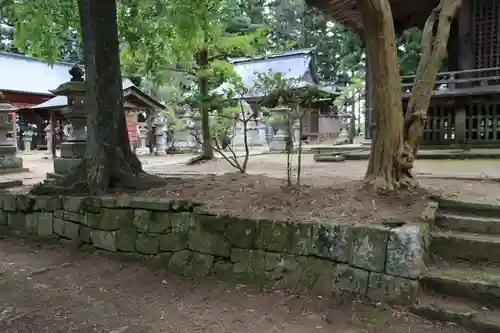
(255, 196)
(48, 289)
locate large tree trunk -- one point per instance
(109, 161)
(207, 149)
(387, 113)
(434, 40)
(395, 141)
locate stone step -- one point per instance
(469, 206)
(471, 281)
(466, 223)
(460, 311)
(467, 246)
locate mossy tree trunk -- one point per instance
(434, 40)
(207, 151)
(396, 138)
(387, 118)
(109, 162)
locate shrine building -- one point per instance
(465, 104)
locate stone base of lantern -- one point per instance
(278, 143)
(72, 152)
(9, 162)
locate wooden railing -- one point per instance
(460, 82)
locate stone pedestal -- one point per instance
(9, 162)
(160, 139)
(296, 134)
(28, 141)
(343, 137)
(278, 143)
(261, 128)
(48, 139)
(142, 141)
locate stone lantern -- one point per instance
(73, 148)
(279, 112)
(8, 158)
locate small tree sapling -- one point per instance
(298, 96)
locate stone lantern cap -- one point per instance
(280, 107)
(5, 107)
(75, 87)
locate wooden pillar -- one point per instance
(368, 102)
(460, 130)
(53, 133)
(466, 43)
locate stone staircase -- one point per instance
(462, 282)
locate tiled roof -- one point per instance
(61, 101)
(25, 74)
(293, 65)
(30, 75)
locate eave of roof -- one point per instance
(406, 14)
(28, 75)
(59, 102)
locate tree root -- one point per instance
(199, 159)
(76, 182)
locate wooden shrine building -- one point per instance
(26, 81)
(320, 123)
(465, 104)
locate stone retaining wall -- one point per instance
(370, 260)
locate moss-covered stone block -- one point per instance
(47, 203)
(151, 204)
(299, 238)
(25, 203)
(91, 220)
(211, 223)
(105, 240)
(73, 217)
(369, 247)
(3, 218)
(405, 252)
(161, 260)
(241, 233)
(253, 266)
(45, 224)
(113, 219)
(182, 205)
(85, 235)
(32, 224)
(17, 222)
(350, 279)
(386, 288)
(182, 222)
(316, 275)
(67, 229)
(272, 236)
(141, 219)
(179, 261)
(72, 204)
(160, 222)
(331, 242)
(222, 269)
(126, 239)
(199, 265)
(91, 205)
(146, 243)
(10, 202)
(209, 243)
(174, 241)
